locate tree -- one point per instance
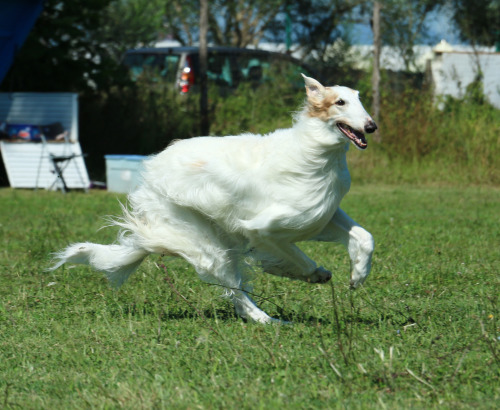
(204, 122)
(181, 20)
(237, 23)
(75, 45)
(397, 23)
(241, 23)
(317, 24)
(478, 21)
(403, 25)
(130, 23)
(376, 64)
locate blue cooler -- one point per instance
(123, 172)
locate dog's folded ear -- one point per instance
(314, 89)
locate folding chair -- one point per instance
(59, 162)
(59, 166)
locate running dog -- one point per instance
(224, 204)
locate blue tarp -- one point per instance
(16, 20)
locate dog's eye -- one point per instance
(340, 102)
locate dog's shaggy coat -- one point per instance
(225, 203)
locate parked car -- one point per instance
(227, 66)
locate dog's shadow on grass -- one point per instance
(178, 313)
(228, 314)
(225, 313)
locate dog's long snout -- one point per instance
(370, 126)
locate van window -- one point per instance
(258, 69)
(169, 66)
(253, 69)
(219, 69)
(153, 63)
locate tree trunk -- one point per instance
(204, 120)
(376, 66)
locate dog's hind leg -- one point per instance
(225, 270)
(358, 241)
(246, 308)
(223, 267)
(217, 258)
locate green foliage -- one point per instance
(60, 53)
(478, 21)
(128, 23)
(336, 65)
(316, 24)
(458, 143)
(76, 45)
(422, 333)
(404, 26)
(241, 23)
(181, 18)
(257, 110)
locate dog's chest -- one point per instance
(318, 199)
(334, 188)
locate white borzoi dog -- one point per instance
(225, 203)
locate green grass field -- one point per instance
(422, 333)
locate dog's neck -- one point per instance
(318, 138)
(320, 152)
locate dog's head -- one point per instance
(341, 108)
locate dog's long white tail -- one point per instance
(117, 261)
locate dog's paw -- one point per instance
(320, 275)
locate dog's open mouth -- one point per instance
(358, 138)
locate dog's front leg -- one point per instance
(359, 243)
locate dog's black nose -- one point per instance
(370, 126)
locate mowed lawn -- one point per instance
(422, 333)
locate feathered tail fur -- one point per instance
(117, 261)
